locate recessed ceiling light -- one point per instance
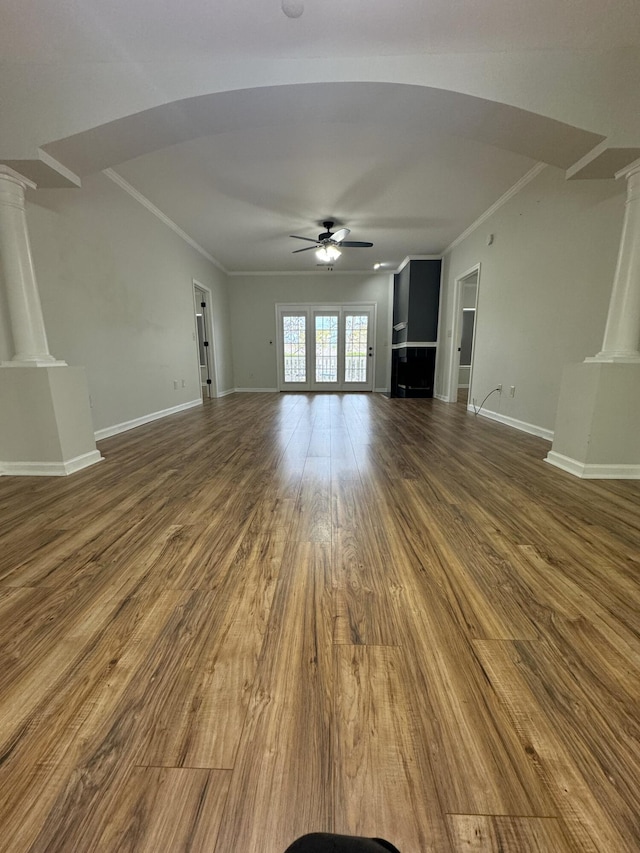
(377, 266)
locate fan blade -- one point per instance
(306, 249)
(339, 236)
(355, 243)
(308, 239)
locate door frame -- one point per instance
(456, 332)
(309, 309)
(211, 354)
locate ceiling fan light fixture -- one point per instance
(328, 254)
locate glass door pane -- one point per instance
(358, 350)
(294, 348)
(326, 349)
(356, 341)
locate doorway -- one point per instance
(463, 335)
(326, 347)
(204, 340)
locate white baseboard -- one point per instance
(226, 393)
(380, 390)
(51, 469)
(523, 426)
(256, 390)
(442, 397)
(107, 432)
(593, 472)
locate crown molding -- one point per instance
(334, 272)
(150, 206)
(410, 258)
(510, 193)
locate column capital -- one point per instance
(628, 170)
(23, 300)
(622, 333)
(9, 174)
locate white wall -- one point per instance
(253, 319)
(116, 287)
(544, 290)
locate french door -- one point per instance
(326, 348)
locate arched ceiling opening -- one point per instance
(416, 109)
(242, 124)
(407, 167)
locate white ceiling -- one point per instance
(95, 30)
(407, 167)
(391, 163)
(240, 194)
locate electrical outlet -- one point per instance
(184, 384)
(512, 391)
(499, 388)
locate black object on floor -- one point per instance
(322, 842)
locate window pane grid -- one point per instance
(294, 331)
(327, 348)
(355, 353)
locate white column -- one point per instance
(23, 299)
(622, 333)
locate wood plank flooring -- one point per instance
(282, 614)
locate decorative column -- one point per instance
(597, 430)
(622, 333)
(25, 312)
(45, 418)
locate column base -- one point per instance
(34, 362)
(597, 431)
(614, 358)
(45, 421)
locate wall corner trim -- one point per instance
(51, 469)
(523, 426)
(510, 193)
(150, 206)
(592, 472)
(107, 432)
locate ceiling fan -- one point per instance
(329, 243)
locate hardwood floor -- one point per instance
(291, 613)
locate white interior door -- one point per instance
(203, 337)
